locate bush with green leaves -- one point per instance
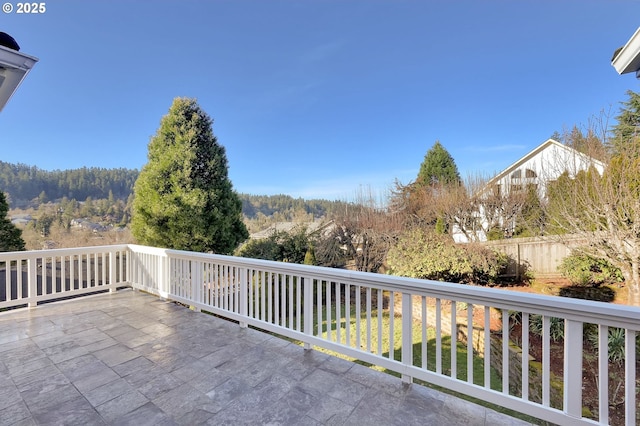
(556, 327)
(292, 247)
(585, 270)
(422, 253)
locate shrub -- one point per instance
(582, 269)
(556, 327)
(420, 253)
(615, 341)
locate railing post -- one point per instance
(131, 263)
(573, 368)
(32, 282)
(308, 308)
(407, 334)
(160, 275)
(193, 275)
(112, 271)
(243, 297)
(630, 375)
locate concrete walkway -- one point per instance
(131, 358)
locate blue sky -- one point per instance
(311, 98)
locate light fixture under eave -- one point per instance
(14, 67)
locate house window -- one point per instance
(530, 173)
(517, 174)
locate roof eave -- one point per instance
(628, 58)
(14, 67)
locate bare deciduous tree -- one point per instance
(474, 209)
(366, 230)
(605, 211)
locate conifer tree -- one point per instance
(10, 235)
(627, 130)
(183, 196)
(438, 168)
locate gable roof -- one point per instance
(539, 149)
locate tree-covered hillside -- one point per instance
(288, 207)
(24, 183)
(31, 186)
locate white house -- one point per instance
(543, 165)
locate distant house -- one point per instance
(288, 227)
(537, 169)
(544, 164)
(22, 219)
(88, 225)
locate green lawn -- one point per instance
(381, 343)
(382, 323)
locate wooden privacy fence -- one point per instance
(540, 256)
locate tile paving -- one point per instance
(129, 358)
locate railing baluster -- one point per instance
(379, 312)
(368, 307)
(487, 347)
(603, 374)
(546, 363)
(7, 281)
(424, 325)
(329, 307)
(277, 299)
(391, 330)
(338, 314)
(454, 341)
(261, 297)
(319, 292)
(358, 290)
(18, 280)
(54, 264)
(287, 296)
(470, 343)
(438, 336)
(630, 376)
(505, 351)
(298, 313)
(104, 269)
(525, 356)
(270, 297)
(347, 313)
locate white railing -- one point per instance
(445, 334)
(32, 277)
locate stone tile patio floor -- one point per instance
(131, 358)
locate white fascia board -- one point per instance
(628, 58)
(14, 67)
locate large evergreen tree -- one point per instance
(627, 130)
(438, 168)
(183, 196)
(10, 236)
